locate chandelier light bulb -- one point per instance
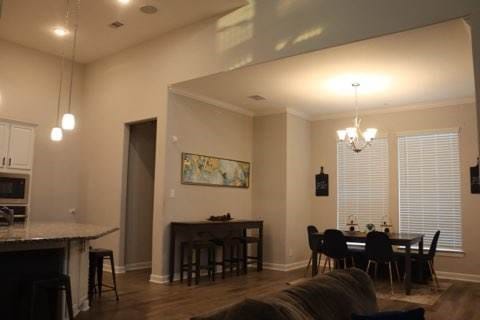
(68, 121)
(341, 134)
(56, 134)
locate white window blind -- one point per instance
(362, 184)
(429, 187)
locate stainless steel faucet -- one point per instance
(8, 214)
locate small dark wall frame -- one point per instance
(474, 180)
(321, 184)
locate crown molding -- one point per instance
(386, 110)
(211, 101)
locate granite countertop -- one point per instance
(52, 231)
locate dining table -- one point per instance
(189, 230)
(406, 240)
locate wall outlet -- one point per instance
(172, 193)
(72, 211)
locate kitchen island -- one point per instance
(32, 250)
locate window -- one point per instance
(362, 184)
(429, 187)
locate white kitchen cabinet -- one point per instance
(4, 140)
(20, 151)
(16, 146)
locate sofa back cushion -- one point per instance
(333, 296)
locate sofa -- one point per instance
(332, 296)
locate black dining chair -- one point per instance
(336, 249)
(315, 246)
(379, 250)
(429, 258)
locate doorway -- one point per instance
(140, 195)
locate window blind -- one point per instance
(429, 187)
(362, 184)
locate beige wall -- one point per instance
(132, 85)
(208, 130)
(28, 92)
(269, 183)
(299, 188)
(463, 117)
(140, 183)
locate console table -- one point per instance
(191, 229)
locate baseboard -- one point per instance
(138, 266)
(83, 306)
(158, 279)
(285, 267)
(118, 269)
(458, 276)
(128, 267)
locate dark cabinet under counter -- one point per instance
(18, 271)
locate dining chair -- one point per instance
(429, 258)
(315, 246)
(379, 250)
(335, 248)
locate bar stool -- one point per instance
(198, 246)
(232, 254)
(248, 260)
(59, 282)
(95, 270)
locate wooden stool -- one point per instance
(57, 282)
(197, 247)
(250, 259)
(236, 256)
(96, 258)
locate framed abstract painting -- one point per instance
(212, 171)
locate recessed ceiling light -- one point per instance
(116, 24)
(257, 97)
(60, 31)
(124, 1)
(149, 9)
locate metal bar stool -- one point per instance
(96, 259)
(59, 282)
(198, 246)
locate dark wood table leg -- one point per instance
(172, 254)
(245, 252)
(408, 269)
(190, 258)
(421, 262)
(260, 248)
(314, 263)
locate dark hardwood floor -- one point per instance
(140, 299)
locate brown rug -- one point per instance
(421, 294)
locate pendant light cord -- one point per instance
(74, 47)
(62, 66)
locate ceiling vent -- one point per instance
(116, 24)
(257, 97)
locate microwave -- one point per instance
(14, 188)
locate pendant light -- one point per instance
(68, 119)
(57, 133)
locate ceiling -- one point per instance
(422, 66)
(30, 22)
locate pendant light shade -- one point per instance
(68, 121)
(56, 134)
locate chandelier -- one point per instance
(354, 136)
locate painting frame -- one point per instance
(186, 181)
